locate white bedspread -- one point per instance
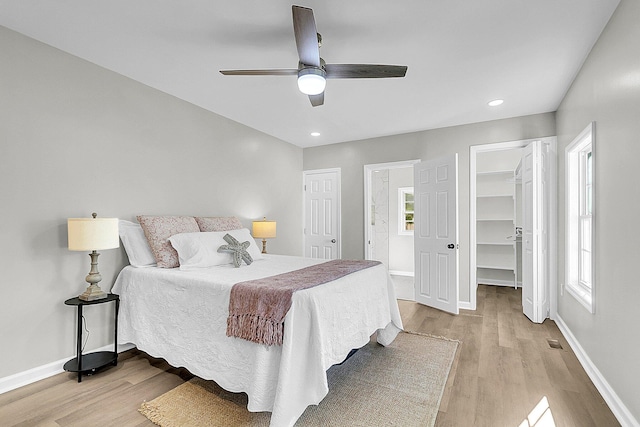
(181, 316)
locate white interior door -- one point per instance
(535, 231)
(436, 233)
(322, 214)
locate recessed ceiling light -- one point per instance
(495, 102)
(315, 133)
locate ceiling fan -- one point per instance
(312, 71)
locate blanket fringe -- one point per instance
(255, 328)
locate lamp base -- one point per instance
(264, 246)
(92, 293)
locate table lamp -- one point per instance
(264, 230)
(93, 234)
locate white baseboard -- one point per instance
(401, 273)
(465, 305)
(497, 282)
(624, 416)
(21, 379)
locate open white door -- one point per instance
(436, 233)
(535, 231)
(322, 214)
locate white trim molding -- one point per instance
(616, 405)
(38, 373)
(553, 213)
(579, 284)
(368, 172)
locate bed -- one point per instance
(181, 316)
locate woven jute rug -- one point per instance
(398, 385)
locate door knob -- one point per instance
(451, 246)
(333, 240)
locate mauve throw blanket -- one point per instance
(257, 307)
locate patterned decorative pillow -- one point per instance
(158, 229)
(237, 250)
(218, 223)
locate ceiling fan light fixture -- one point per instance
(312, 81)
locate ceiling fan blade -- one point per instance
(272, 72)
(317, 100)
(304, 28)
(364, 71)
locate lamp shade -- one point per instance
(92, 234)
(264, 229)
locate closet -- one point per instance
(499, 218)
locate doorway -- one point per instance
(436, 236)
(497, 217)
(322, 236)
(389, 221)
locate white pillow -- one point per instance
(200, 250)
(135, 244)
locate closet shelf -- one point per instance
(493, 196)
(496, 172)
(496, 267)
(496, 215)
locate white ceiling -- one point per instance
(460, 53)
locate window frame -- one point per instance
(580, 224)
(402, 212)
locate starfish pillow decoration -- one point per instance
(237, 249)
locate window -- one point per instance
(405, 218)
(579, 222)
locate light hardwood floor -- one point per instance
(504, 367)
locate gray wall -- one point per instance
(352, 156)
(76, 138)
(607, 91)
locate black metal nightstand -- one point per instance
(89, 363)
